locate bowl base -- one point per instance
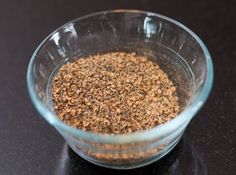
(164, 152)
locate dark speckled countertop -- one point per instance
(29, 146)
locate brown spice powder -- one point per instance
(122, 156)
(114, 93)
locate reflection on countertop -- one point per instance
(183, 159)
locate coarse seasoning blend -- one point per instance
(114, 93)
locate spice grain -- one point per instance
(114, 93)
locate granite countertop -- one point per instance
(30, 146)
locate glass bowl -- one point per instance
(177, 50)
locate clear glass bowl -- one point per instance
(173, 46)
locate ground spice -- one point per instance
(114, 93)
(125, 158)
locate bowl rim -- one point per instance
(160, 130)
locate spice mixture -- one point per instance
(114, 93)
(122, 156)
